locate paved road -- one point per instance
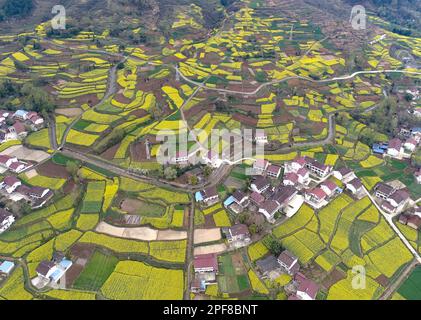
(190, 249)
(389, 219)
(395, 285)
(254, 92)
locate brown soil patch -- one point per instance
(382, 280)
(131, 205)
(80, 254)
(138, 151)
(50, 169)
(110, 152)
(209, 222)
(69, 112)
(332, 278)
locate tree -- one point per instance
(253, 229)
(155, 111)
(274, 246)
(170, 173)
(193, 180)
(242, 218)
(72, 168)
(207, 171)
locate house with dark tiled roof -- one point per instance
(269, 208)
(273, 171)
(315, 196)
(344, 174)
(395, 148)
(6, 220)
(288, 262)
(260, 184)
(355, 186)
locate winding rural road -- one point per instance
(255, 91)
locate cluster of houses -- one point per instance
(13, 164)
(23, 121)
(401, 147)
(300, 288)
(206, 265)
(287, 198)
(51, 271)
(392, 200)
(12, 188)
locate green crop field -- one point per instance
(96, 272)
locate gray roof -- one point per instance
(267, 264)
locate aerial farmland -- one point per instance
(112, 186)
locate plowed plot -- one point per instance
(138, 151)
(50, 169)
(139, 207)
(110, 153)
(80, 254)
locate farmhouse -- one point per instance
(273, 171)
(260, 165)
(269, 209)
(6, 267)
(288, 262)
(208, 196)
(6, 161)
(53, 270)
(295, 165)
(6, 220)
(355, 186)
(397, 200)
(206, 263)
(383, 190)
(394, 200)
(267, 265)
(395, 148)
(260, 184)
(257, 198)
(303, 176)
(13, 164)
(10, 183)
(240, 198)
(329, 187)
(344, 174)
(317, 168)
(45, 269)
(316, 197)
(306, 289)
(288, 199)
(238, 233)
(290, 179)
(410, 144)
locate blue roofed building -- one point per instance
(21, 114)
(229, 201)
(6, 267)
